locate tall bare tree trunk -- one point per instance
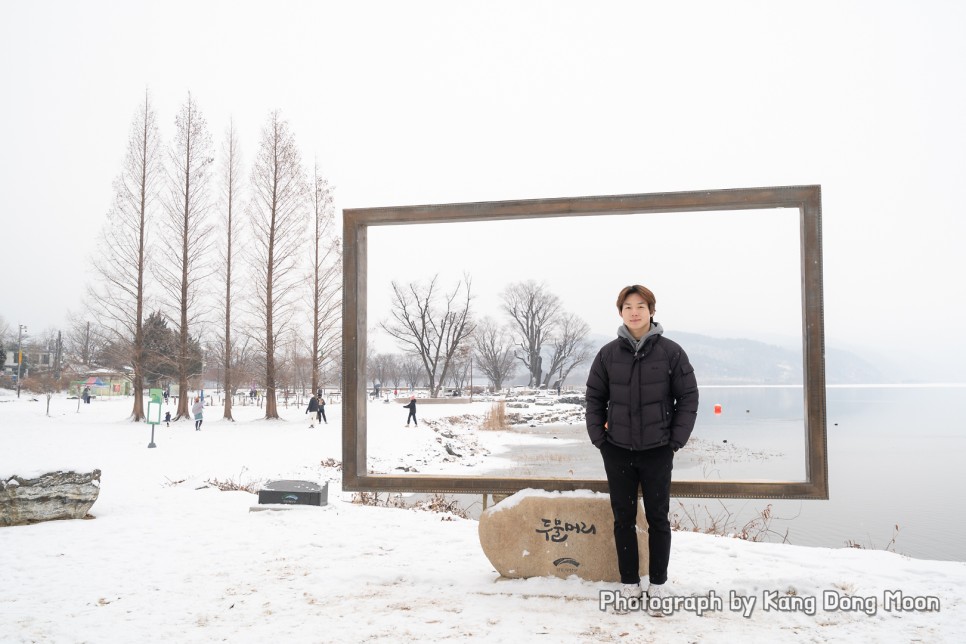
(278, 209)
(231, 178)
(188, 234)
(118, 296)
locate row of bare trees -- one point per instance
(190, 239)
(189, 236)
(436, 330)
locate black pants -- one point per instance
(627, 472)
(411, 417)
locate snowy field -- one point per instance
(168, 557)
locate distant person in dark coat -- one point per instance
(412, 411)
(314, 408)
(322, 410)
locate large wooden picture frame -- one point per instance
(356, 223)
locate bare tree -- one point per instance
(241, 362)
(412, 370)
(460, 367)
(494, 352)
(187, 233)
(47, 384)
(377, 366)
(431, 326)
(82, 342)
(302, 372)
(533, 309)
(277, 213)
(326, 279)
(387, 369)
(331, 369)
(117, 294)
(569, 347)
(230, 181)
(394, 371)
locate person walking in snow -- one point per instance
(642, 401)
(322, 409)
(412, 411)
(198, 411)
(314, 408)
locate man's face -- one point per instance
(636, 315)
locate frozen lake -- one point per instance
(895, 458)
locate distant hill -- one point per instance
(744, 361)
(740, 361)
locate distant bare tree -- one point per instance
(230, 180)
(82, 342)
(394, 371)
(277, 210)
(47, 384)
(569, 347)
(412, 370)
(302, 363)
(289, 360)
(386, 369)
(117, 294)
(494, 352)
(326, 279)
(377, 367)
(430, 325)
(533, 309)
(331, 366)
(242, 362)
(459, 372)
(187, 234)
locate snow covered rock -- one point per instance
(50, 496)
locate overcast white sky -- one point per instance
(409, 103)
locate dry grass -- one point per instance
(889, 547)
(700, 519)
(229, 485)
(437, 503)
(495, 418)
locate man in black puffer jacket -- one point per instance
(642, 401)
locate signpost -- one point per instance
(154, 412)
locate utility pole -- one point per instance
(58, 357)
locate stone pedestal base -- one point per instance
(535, 533)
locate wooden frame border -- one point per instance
(356, 221)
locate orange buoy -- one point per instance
(717, 410)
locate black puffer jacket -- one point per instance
(648, 398)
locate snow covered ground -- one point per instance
(168, 557)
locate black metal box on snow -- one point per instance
(294, 493)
